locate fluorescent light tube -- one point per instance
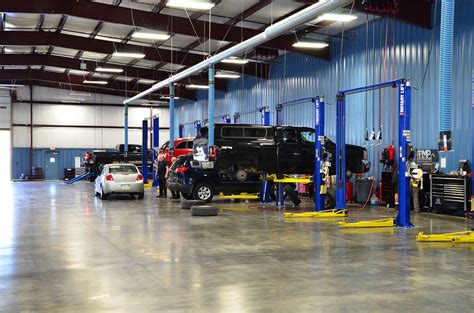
(192, 86)
(234, 60)
(190, 4)
(129, 55)
(337, 17)
(168, 97)
(108, 69)
(231, 75)
(70, 101)
(310, 44)
(152, 36)
(95, 82)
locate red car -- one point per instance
(182, 146)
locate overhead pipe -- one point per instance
(446, 75)
(269, 33)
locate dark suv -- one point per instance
(198, 184)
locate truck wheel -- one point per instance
(204, 192)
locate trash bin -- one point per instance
(363, 189)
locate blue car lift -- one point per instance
(156, 144)
(404, 138)
(145, 150)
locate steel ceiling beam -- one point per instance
(75, 64)
(17, 38)
(76, 80)
(150, 20)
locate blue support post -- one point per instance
(197, 126)
(319, 142)
(125, 126)
(156, 132)
(267, 186)
(340, 156)
(171, 88)
(145, 150)
(210, 109)
(404, 139)
(181, 131)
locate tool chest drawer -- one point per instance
(449, 192)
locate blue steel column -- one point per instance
(404, 137)
(280, 200)
(319, 146)
(266, 185)
(340, 156)
(156, 132)
(181, 131)
(125, 125)
(171, 118)
(210, 109)
(145, 150)
(197, 126)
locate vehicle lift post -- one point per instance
(266, 184)
(404, 138)
(156, 138)
(145, 150)
(181, 131)
(197, 126)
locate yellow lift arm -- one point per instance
(459, 237)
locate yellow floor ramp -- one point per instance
(386, 222)
(459, 237)
(246, 196)
(318, 214)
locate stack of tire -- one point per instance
(37, 172)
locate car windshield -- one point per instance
(122, 169)
(307, 135)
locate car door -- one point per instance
(288, 152)
(306, 139)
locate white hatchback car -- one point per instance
(119, 179)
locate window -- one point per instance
(307, 136)
(122, 169)
(232, 132)
(255, 132)
(181, 145)
(289, 135)
(135, 149)
(190, 144)
(166, 145)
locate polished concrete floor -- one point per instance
(63, 250)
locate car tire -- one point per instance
(203, 192)
(103, 195)
(204, 210)
(187, 204)
(329, 202)
(187, 196)
(141, 196)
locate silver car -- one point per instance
(119, 179)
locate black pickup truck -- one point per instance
(94, 160)
(242, 149)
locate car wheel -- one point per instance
(141, 195)
(187, 196)
(103, 195)
(204, 192)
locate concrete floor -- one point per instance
(63, 250)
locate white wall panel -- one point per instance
(81, 115)
(5, 109)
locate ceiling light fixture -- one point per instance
(152, 36)
(70, 101)
(310, 44)
(108, 69)
(132, 55)
(235, 60)
(198, 5)
(337, 17)
(231, 75)
(80, 94)
(11, 85)
(192, 86)
(168, 98)
(95, 82)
